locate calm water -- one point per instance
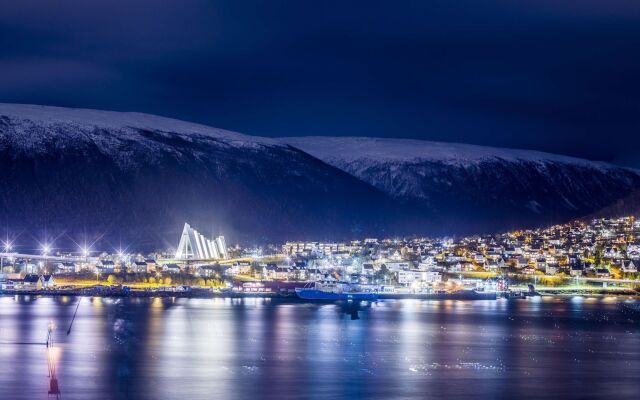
(244, 349)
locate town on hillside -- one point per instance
(580, 256)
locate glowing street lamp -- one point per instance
(121, 260)
(45, 251)
(85, 255)
(7, 249)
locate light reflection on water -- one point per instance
(167, 348)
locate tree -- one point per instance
(201, 282)
(598, 255)
(214, 282)
(623, 251)
(152, 280)
(384, 274)
(111, 279)
(616, 272)
(167, 281)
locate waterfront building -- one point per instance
(207, 271)
(576, 270)
(106, 267)
(66, 267)
(31, 282)
(629, 266)
(47, 281)
(139, 267)
(171, 268)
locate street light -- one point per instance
(85, 255)
(7, 249)
(121, 261)
(45, 251)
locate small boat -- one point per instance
(335, 291)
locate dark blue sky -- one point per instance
(559, 76)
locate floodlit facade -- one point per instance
(193, 245)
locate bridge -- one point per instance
(227, 261)
(610, 280)
(43, 257)
(582, 281)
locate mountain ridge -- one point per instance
(477, 186)
(139, 182)
(136, 178)
(351, 148)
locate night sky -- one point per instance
(559, 76)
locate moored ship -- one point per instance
(335, 291)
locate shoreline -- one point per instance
(466, 296)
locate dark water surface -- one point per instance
(253, 348)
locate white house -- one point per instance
(576, 270)
(66, 267)
(628, 266)
(47, 281)
(106, 267)
(171, 268)
(152, 265)
(611, 252)
(395, 266)
(551, 269)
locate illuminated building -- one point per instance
(193, 245)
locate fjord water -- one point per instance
(191, 349)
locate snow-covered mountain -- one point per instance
(480, 188)
(134, 179)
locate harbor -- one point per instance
(199, 293)
(186, 348)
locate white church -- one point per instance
(194, 246)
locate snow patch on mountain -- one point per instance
(344, 150)
(125, 137)
(87, 118)
(485, 184)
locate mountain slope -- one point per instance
(477, 188)
(134, 179)
(131, 179)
